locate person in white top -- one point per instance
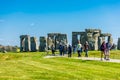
(79, 46)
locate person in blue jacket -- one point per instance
(69, 50)
(61, 49)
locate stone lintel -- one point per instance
(105, 34)
(92, 30)
(78, 33)
(22, 36)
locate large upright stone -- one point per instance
(33, 41)
(56, 39)
(25, 43)
(93, 36)
(43, 44)
(61, 39)
(78, 36)
(118, 44)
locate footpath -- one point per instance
(87, 58)
(98, 59)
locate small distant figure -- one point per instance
(64, 49)
(69, 50)
(108, 47)
(61, 49)
(79, 47)
(86, 47)
(103, 49)
(53, 50)
(74, 49)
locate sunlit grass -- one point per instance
(33, 65)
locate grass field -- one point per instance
(33, 66)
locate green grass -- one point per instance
(114, 54)
(33, 66)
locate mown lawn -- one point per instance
(114, 54)
(33, 66)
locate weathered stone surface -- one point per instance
(33, 41)
(118, 44)
(105, 34)
(56, 39)
(43, 44)
(93, 36)
(24, 43)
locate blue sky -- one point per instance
(39, 17)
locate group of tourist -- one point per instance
(105, 50)
(80, 49)
(64, 49)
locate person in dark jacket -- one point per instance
(64, 49)
(86, 47)
(69, 50)
(53, 50)
(61, 49)
(103, 49)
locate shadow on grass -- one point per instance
(86, 60)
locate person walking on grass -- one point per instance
(53, 50)
(61, 49)
(103, 49)
(79, 47)
(74, 49)
(86, 47)
(108, 47)
(69, 50)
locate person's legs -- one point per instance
(78, 53)
(86, 53)
(102, 54)
(107, 54)
(54, 53)
(61, 53)
(70, 54)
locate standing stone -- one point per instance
(56, 39)
(49, 43)
(33, 41)
(99, 42)
(43, 44)
(74, 39)
(110, 39)
(93, 36)
(24, 43)
(118, 44)
(62, 39)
